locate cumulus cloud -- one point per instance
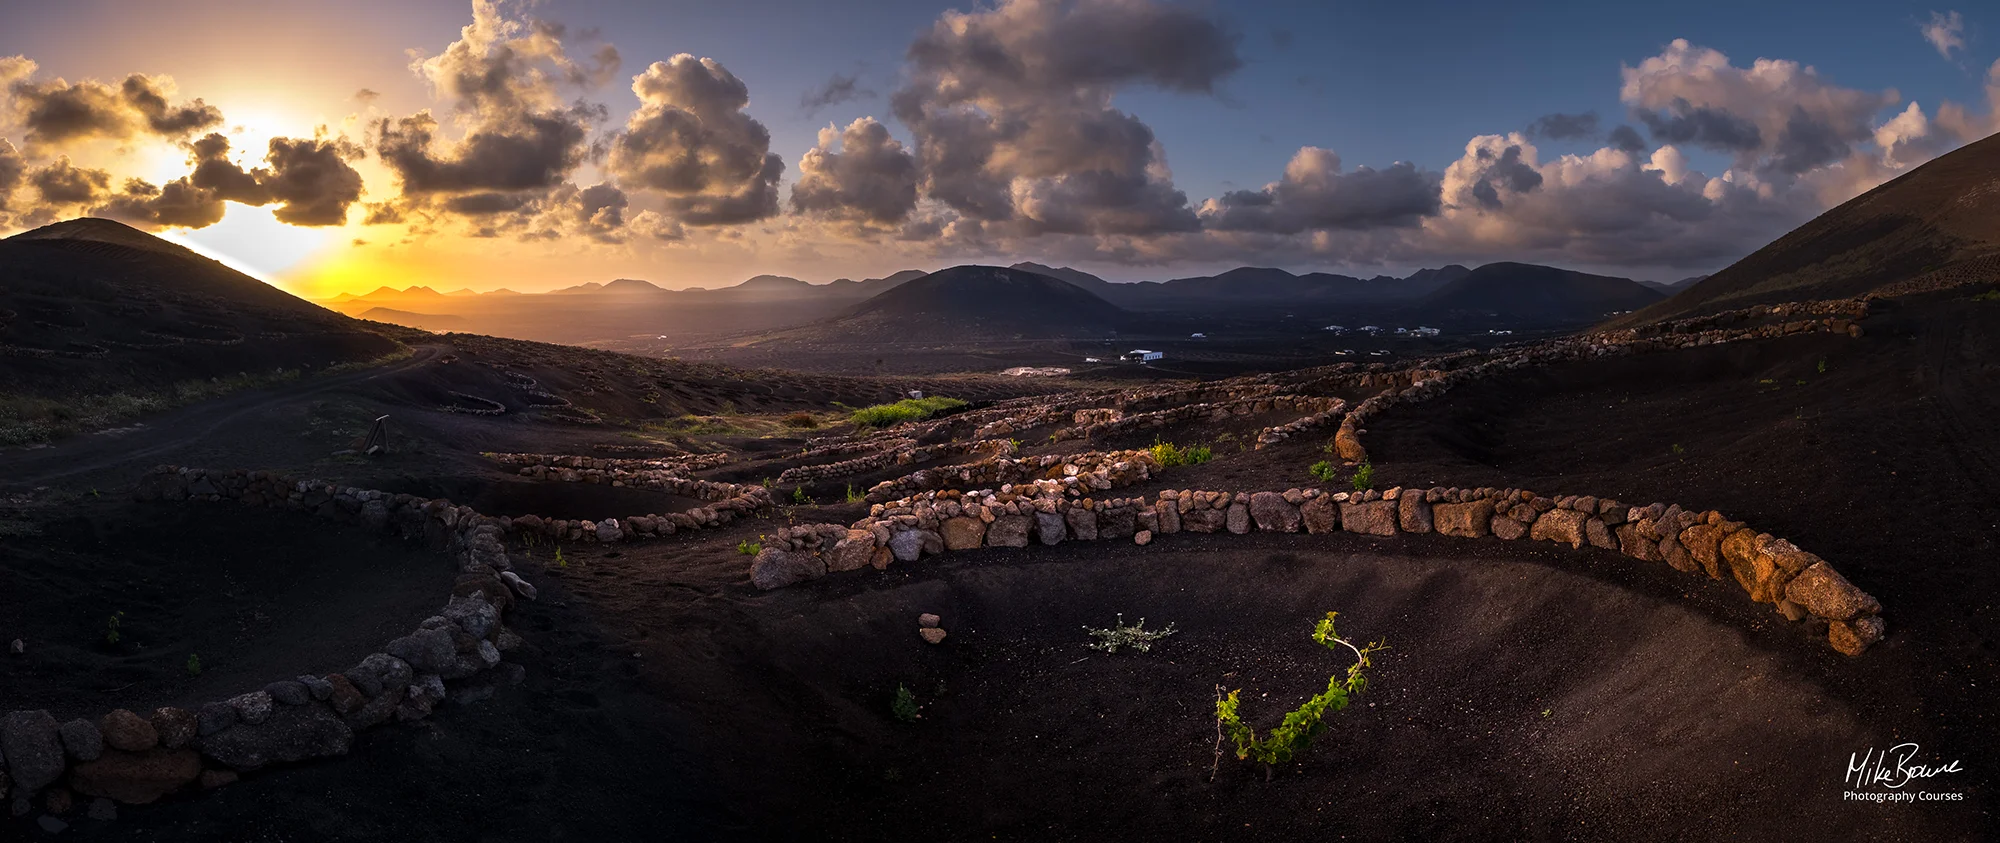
(62, 183)
(858, 175)
(1315, 194)
(1564, 126)
(1010, 110)
(1967, 126)
(57, 110)
(13, 168)
(310, 180)
(1945, 31)
(1777, 117)
(503, 81)
(691, 141)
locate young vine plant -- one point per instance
(1292, 736)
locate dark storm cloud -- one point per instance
(838, 89)
(533, 152)
(312, 179)
(1315, 195)
(1564, 126)
(691, 142)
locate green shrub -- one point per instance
(800, 497)
(111, 634)
(1822, 360)
(193, 665)
(906, 410)
(1168, 455)
(750, 548)
(1989, 295)
(1136, 636)
(904, 706)
(1292, 736)
(854, 496)
(1364, 477)
(1323, 471)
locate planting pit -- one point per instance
(255, 595)
(1564, 692)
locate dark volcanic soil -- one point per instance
(257, 596)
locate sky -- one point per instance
(482, 144)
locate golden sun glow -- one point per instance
(252, 241)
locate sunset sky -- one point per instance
(332, 147)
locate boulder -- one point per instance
(291, 733)
(1374, 518)
(175, 726)
(1413, 510)
(472, 614)
(379, 674)
(963, 533)
(911, 545)
(426, 650)
(1704, 545)
(1237, 518)
(1142, 538)
(1320, 515)
(776, 568)
(1505, 527)
(1472, 520)
(1819, 588)
(1677, 556)
(1170, 517)
(345, 698)
(851, 553)
(931, 635)
(1738, 552)
(1852, 637)
(1634, 545)
(1008, 531)
(82, 739)
(127, 732)
(1599, 534)
(1776, 564)
(1273, 513)
(1082, 523)
(136, 778)
(33, 749)
(1563, 526)
(253, 708)
(1203, 520)
(1117, 523)
(1050, 527)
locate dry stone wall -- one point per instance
(904, 452)
(1079, 473)
(1800, 585)
(141, 757)
(683, 463)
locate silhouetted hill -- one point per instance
(1937, 218)
(1529, 293)
(100, 322)
(436, 322)
(994, 298)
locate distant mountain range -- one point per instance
(624, 308)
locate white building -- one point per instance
(1140, 355)
(1425, 332)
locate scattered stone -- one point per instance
(931, 635)
(1142, 538)
(128, 732)
(520, 586)
(52, 825)
(136, 778)
(928, 620)
(82, 739)
(29, 741)
(18, 647)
